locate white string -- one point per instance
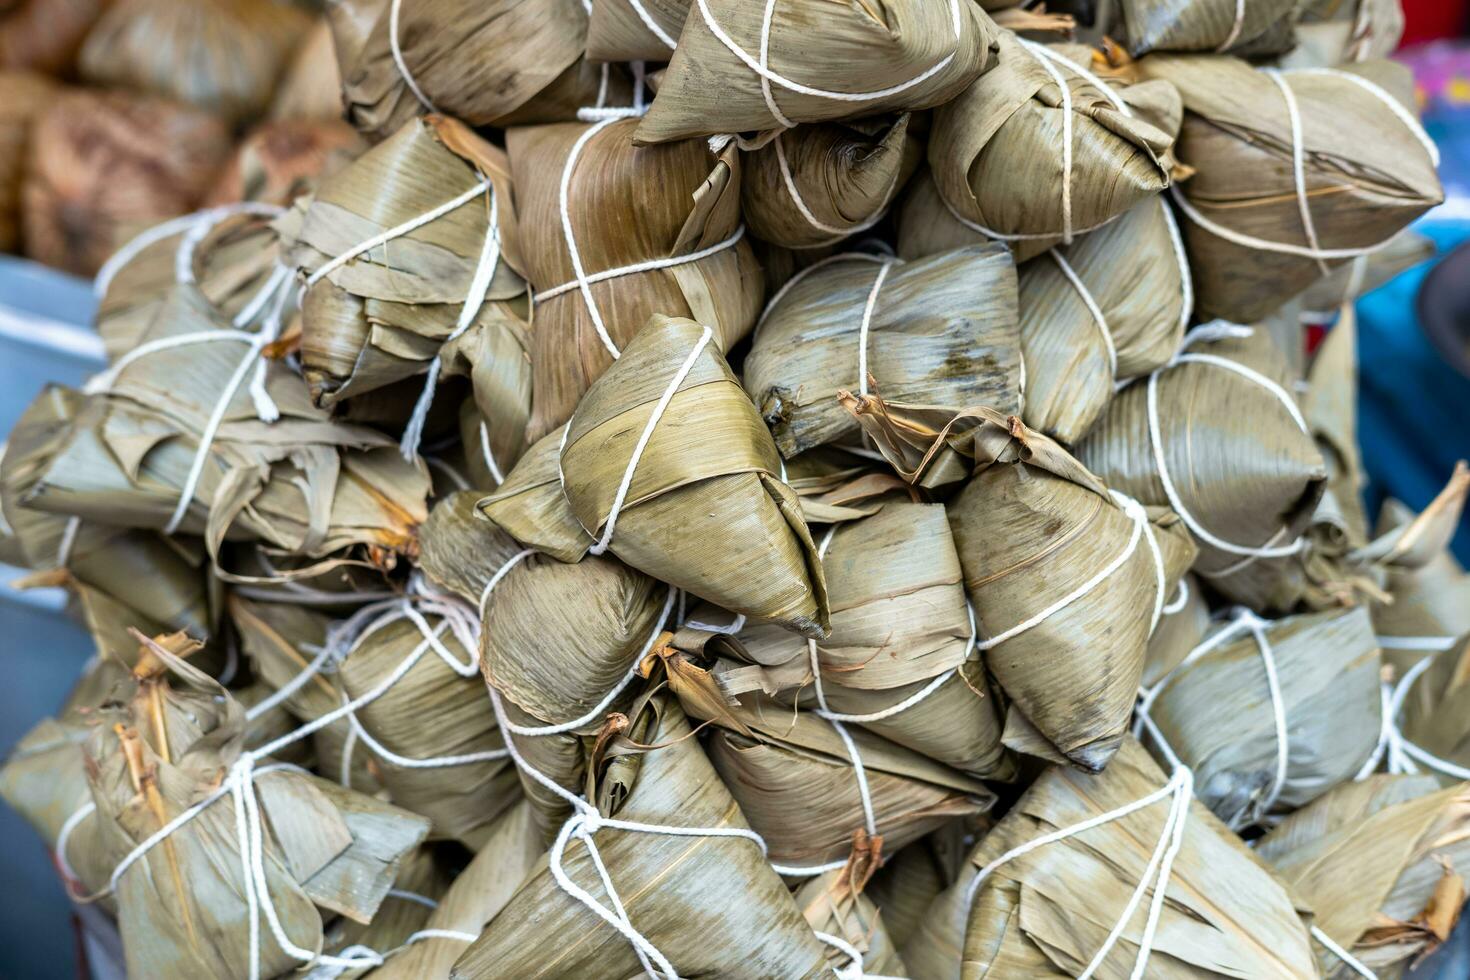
(1156, 442)
(397, 231)
(1312, 251)
(194, 227)
(1347, 959)
(1242, 620)
(637, 267)
(563, 206)
(1186, 277)
(1424, 644)
(1092, 308)
(414, 897)
(659, 408)
(1263, 245)
(613, 693)
(652, 25)
(1018, 237)
(586, 821)
(806, 212)
(495, 473)
(1180, 790)
(824, 711)
(413, 432)
(866, 323)
(1415, 128)
(1298, 163)
(1049, 59)
(764, 67)
(285, 691)
(395, 47)
(239, 781)
(789, 284)
(1401, 753)
(454, 476)
(265, 408)
(854, 969)
(68, 827)
(1179, 601)
(1067, 138)
(767, 75)
(258, 342)
(68, 541)
(1139, 517)
(138, 243)
(1235, 28)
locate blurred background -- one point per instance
(116, 116)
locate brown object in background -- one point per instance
(283, 158)
(44, 35)
(23, 96)
(311, 86)
(221, 55)
(104, 166)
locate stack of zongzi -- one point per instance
(713, 488)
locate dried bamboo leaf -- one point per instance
(910, 880)
(1240, 463)
(939, 331)
(926, 52)
(278, 638)
(999, 158)
(474, 899)
(1436, 709)
(1218, 715)
(461, 800)
(43, 779)
(495, 356)
(160, 747)
(422, 880)
(159, 583)
(820, 183)
(385, 314)
(1333, 32)
(1059, 572)
(460, 551)
(791, 773)
(833, 905)
(1047, 912)
(310, 87)
(625, 205)
(557, 639)
(1213, 26)
(1370, 852)
(1178, 632)
(501, 64)
(1366, 173)
(618, 32)
(701, 505)
(300, 483)
(1364, 274)
(1133, 275)
(899, 622)
(712, 905)
(531, 507)
(232, 264)
(1429, 599)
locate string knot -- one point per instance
(589, 822)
